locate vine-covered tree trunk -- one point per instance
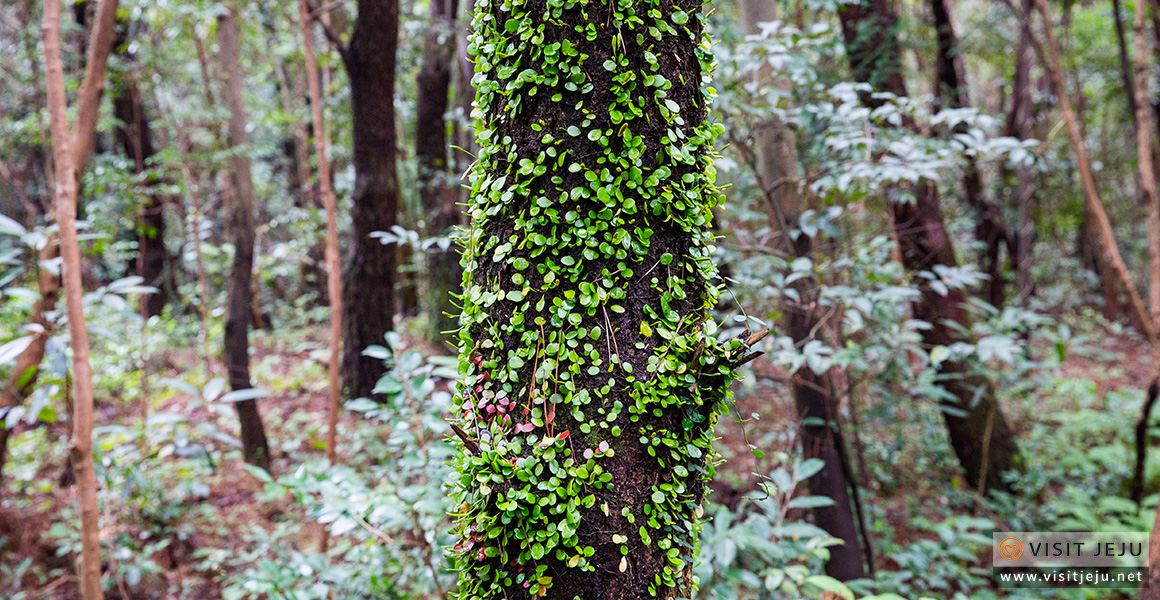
(136, 140)
(439, 196)
(775, 165)
(592, 373)
(979, 434)
(370, 274)
(240, 296)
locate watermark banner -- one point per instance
(1039, 559)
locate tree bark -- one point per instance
(236, 353)
(136, 140)
(370, 272)
(70, 154)
(439, 197)
(592, 380)
(775, 166)
(979, 434)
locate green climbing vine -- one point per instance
(592, 373)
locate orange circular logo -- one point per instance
(1011, 548)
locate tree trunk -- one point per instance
(1019, 122)
(1145, 153)
(236, 353)
(296, 151)
(463, 155)
(70, 153)
(439, 197)
(1126, 77)
(1102, 226)
(592, 378)
(775, 163)
(952, 91)
(193, 189)
(370, 273)
(333, 275)
(979, 434)
(136, 141)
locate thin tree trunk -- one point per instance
(1019, 122)
(239, 301)
(1155, 101)
(979, 434)
(463, 154)
(291, 92)
(370, 272)
(1110, 253)
(1126, 76)
(221, 131)
(952, 91)
(438, 197)
(333, 268)
(775, 166)
(193, 187)
(26, 370)
(70, 149)
(100, 45)
(1145, 154)
(136, 140)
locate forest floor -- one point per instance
(226, 508)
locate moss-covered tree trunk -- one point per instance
(592, 374)
(979, 434)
